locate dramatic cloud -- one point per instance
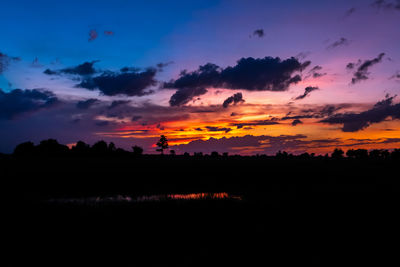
(17, 102)
(5, 61)
(236, 98)
(362, 71)
(260, 74)
(93, 35)
(259, 33)
(295, 122)
(353, 122)
(307, 91)
(341, 42)
(122, 83)
(85, 104)
(83, 69)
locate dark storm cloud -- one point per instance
(307, 91)
(85, 104)
(93, 35)
(218, 129)
(17, 102)
(259, 33)
(83, 69)
(5, 61)
(295, 122)
(236, 98)
(122, 83)
(341, 42)
(362, 71)
(353, 122)
(260, 74)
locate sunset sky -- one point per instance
(244, 77)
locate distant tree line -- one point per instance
(51, 147)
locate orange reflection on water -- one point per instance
(199, 196)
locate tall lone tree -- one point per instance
(162, 144)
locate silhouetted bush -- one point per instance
(100, 148)
(24, 149)
(337, 153)
(137, 150)
(395, 154)
(51, 147)
(214, 154)
(81, 148)
(357, 153)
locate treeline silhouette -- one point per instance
(52, 148)
(307, 208)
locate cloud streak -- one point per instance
(307, 91)
(353, 122)
(362, 71)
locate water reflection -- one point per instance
(147, 198)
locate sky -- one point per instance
(244, 77)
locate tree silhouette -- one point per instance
(81, 148)
(337, 153)
(51, 147)
(24, 149)
(100, 148)
(162, 144)
(137, 150)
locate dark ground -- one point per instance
(293, 211)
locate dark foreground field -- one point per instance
(290, 211)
